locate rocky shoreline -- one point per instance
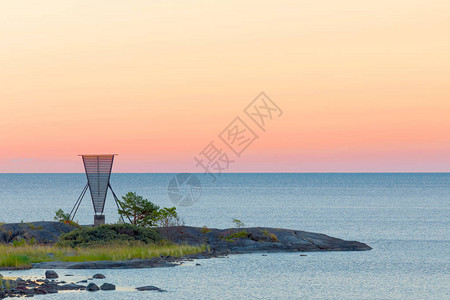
(221, 242)
(50, 285)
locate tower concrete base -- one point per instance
(99, 220)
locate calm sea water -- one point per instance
(404, 217)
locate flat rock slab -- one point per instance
(257, 239)
(149, 288)
(130, 264)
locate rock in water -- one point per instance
(150, 288)
(99, 276)
(107, 287)
(71, 287)
(92, 287)
(51, 274)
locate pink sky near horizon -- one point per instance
(364, 87)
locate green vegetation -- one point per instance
(14, 260)
(144, 213)
(205, 229)
(168, 216)
(238, 223)
(23, 242)
(270, 235)
(34, 227)
(237, 235)
(109, 234)
(61, 216)
(22, 257)
(140, 211)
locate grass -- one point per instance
(236, 235)
(271, 235)
(24, 256)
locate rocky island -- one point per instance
(219, 242)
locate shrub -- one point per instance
(61, 216)
(271, 235)
(238, 223)
(236, 235)
(168, 217)
(205, 229)
(108, 234)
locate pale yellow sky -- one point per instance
(365, 85)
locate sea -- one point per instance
(404, 217)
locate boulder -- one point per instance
(50, 274)
(92, 287)
(99, 276)
(107, 287)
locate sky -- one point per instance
(363, 86)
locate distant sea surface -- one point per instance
(404, 217)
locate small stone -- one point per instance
(92, 287)
(99, 276)
(82, 281)
(107, 287)
(51, 274)
(68, 275)
(198, 264)
(303, 255)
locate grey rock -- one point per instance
(259, 239)
(71, 287)
(92, 287)
(42, 232)
(51, 274)
(149, 288)
(107, 287)
(130, 264)
(99, 276)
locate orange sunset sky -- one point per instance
(364, 85)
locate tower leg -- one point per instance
(117, 203)
(74, 210)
